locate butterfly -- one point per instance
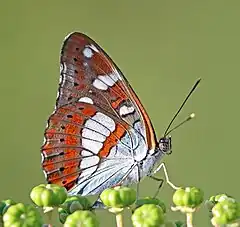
(99, 134)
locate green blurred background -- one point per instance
(162, 47)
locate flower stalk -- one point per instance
(119, 219)
(189, 219)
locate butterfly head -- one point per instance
(165, 145)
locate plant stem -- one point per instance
(48, 211)
(189, 217)
(119, 219)
(49, 215)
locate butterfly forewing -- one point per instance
(98, 124)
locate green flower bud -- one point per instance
(225, 212)
(48, 195)
(118, 197)
(148, 215)
(188, 197)
(20, 215)
(83, 218)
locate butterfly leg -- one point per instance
(162, 166)
(160, 184)
(138, 182)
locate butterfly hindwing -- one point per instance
(78, 134)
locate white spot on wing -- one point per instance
(88, 133)
(91, 145)
(86, 100)
(110, 79)
(44, 139)
(61, 67)
(99, 84)
(86, 153)
(67, 71)
(87, 52)
(140, 128)
(45, 174)
(97, 127)
(105, 120)
(89, 161)
(63, 70)
(115, 76)
(42, 157)
(124, 110)
(107, 80)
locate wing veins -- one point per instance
(73, 173)
(99, 185)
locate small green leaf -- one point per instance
(5, 204)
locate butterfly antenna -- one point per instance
(176, 114)
(191, 116)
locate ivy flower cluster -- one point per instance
(77, 211)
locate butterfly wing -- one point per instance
(99, 126)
